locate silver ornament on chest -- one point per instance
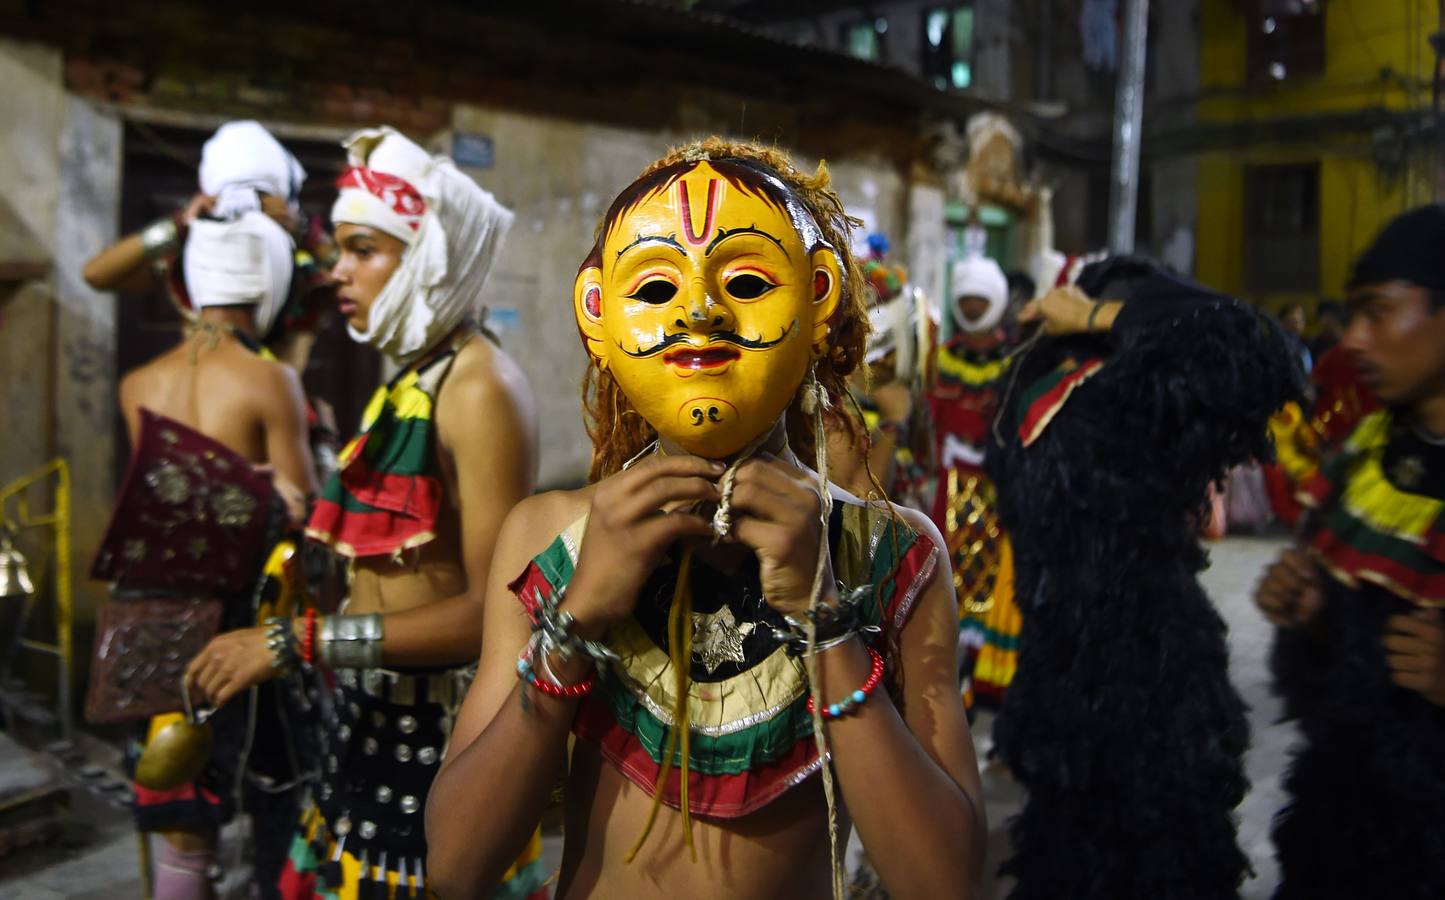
(718, 638)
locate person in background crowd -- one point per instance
(445, 450)
(1121, 723)
(242, 160)
(889, 448)
(1329, 328)
(1359, 654)
(969, 375)
(239, 267)
(1294, 320)
(236, 268)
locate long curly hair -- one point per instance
(618, 431)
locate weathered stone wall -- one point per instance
(87, 216)
(32, 108)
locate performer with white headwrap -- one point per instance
(964, 399)
(239, 270)
(445, 450)
(247, 215)
(890, 390)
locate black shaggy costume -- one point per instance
(1367, 814)
(1367, 787)
(1121, 722)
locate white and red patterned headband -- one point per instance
(378, 200)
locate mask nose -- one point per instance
(702, 313)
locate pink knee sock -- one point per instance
(181, 874)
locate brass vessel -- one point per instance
(177, 753)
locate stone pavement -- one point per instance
(99, 856)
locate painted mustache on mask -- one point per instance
(715, 337)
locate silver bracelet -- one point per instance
(350, 642)
(555, 629)
(281, 641)
(160, 238)
(839, 641)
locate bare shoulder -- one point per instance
(922, 524)
(272, 381)
(549, 513)
(484, 376)
(918, 521)
(935, 616)
(135, 386)
(132, 384)
(535, 522)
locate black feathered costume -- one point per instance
(1121, 722)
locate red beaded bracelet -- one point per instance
(308, 638)
(860, 696)
(561, 692)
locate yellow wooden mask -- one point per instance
(709, 296)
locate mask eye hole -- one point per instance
(655, 292)
(748, 286)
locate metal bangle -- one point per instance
(832, 625)
(281, 641)
(350, 642)
(555, 627)
(160, 238)
(838, 641)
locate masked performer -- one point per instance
(662, 614)
(1121, 723)
(238, 270)
(963, 400)
(446, 449)
(1359, 656)
(895, 437)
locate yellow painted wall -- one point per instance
(1362, 37)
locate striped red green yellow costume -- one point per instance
(963, 401)
(1370, 530)
(751, 735)
(362, 836)
(386, 496)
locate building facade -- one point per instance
(1315, 127)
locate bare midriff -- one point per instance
(778, 851)
(431, 572)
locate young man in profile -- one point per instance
(1360, 653)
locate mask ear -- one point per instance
(827, 288)
(587, 305)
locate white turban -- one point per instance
(452, 229)
(243, 262)
(894, 331)
(239, 160)
(978, 276)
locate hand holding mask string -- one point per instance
(719, 276)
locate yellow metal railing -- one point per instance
(16, 495)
